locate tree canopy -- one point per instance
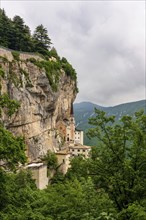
(118, 164)
(16, 35)
(111, 184)
(41, 39)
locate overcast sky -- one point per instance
(103, 40)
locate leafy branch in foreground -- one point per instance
(12, 149)
(10, 105)
(118, 164)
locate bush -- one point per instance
(16, 55)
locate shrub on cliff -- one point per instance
(12, 149)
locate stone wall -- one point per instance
(39, 174)
(4, 52)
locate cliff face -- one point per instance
(41, 109)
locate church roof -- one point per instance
(77, 129)
(63, 152)
(80, 146)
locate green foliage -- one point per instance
(118, 165)
(67, 67)
(68, 200)
(135, 211)
(41, 40)
(109, 185)
(17, 191)
(17, 36)
(10, 105)
(15, 55)
(78, 169)
(53, 53)
(57, 178)
(70, 71)
(51, 160)
(74, 200)
(2, 72)
(5, 29)
(12, 149)
(32, 60)
(52, 70)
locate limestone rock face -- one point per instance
(41, 108)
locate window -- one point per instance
(72, 149)
(78, 150)
(83, 150)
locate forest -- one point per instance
(16, 35)
(109, 185)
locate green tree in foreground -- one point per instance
(118, 164)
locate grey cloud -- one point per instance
(104, 41)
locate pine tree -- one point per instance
(41, 39)
(22, 37)
(5, 29)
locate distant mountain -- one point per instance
(84, 110)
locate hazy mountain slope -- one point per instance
(85, 110)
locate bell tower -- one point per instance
(72, 124)
(71, 127)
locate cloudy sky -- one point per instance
(103, 40)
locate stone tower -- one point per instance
(71, 127)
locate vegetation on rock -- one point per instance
(12, 149)
(51, 160)
(15, 35)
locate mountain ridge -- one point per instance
(86, 102)
(84, 110)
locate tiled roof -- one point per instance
(63, 152)
(79, 146)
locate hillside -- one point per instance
(85, 110)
